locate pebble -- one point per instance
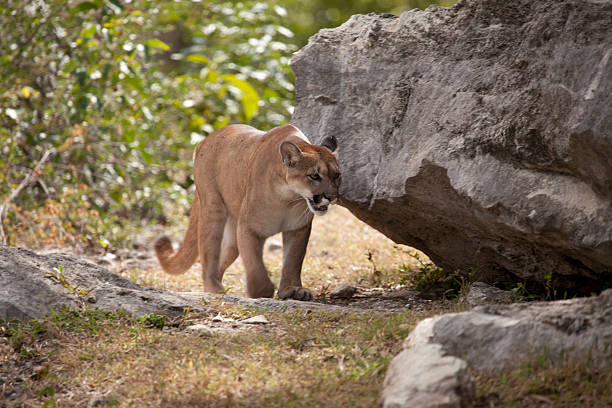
(259, 319)
(343, 292)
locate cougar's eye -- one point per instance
(314, 177)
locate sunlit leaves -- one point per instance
(139, 96)
(200, 59)
(249, 98)
(155, 43)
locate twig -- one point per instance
(24, 183)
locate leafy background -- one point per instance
(103, 101)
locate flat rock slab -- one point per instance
(31, 284)
(492, 338)
(272, 305)
(480, 134)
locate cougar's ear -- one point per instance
(330, 142)
(290, 153)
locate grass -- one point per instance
(342, 250)
(304, 359)
(537, 383)
(301, 359)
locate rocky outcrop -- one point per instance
(32, 284)
(493, 338)
(480, 134)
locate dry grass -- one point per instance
(300, 360)
(337, 253)
(538, 384)
(303, 360)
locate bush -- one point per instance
(120, 95)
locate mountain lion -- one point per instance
(251, 185)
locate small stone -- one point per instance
(481, 293)
(259, 319)
(343, 292)
(221, 319)
(199, 328)
(274, 246)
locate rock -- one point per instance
(343, 292)
(481, 293)
(220, 319)
(31, 284)
(498, 336)
(480, 134)
(259, 319)
(493, 338)
(274, 245)
(201, 329)
(423, 376)
(272, 305)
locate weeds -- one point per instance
(538, 382)
(430, 278)
(152, 320)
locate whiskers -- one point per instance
(304, 215)
(297, 201)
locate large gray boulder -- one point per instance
(493, 338)
(480, 134)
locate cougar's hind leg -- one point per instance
(213, 216)
(229, 247)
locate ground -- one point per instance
(298, 358)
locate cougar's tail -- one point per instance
(180, 261)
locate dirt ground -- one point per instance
(342, 251)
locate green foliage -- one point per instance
(307, 17)
(120, 92)
(430, 278)
(124, 98)
(152, 320)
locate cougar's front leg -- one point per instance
(250, 247)
(294, 249)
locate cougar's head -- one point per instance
(313, 172)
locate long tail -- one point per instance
(179, 262)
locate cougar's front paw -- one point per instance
(295, 292)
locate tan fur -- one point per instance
(249, 186)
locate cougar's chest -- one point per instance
(278, 219)
(296, 217)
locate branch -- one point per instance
(24, 183)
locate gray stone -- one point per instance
(500, 336)
(493, 338)
(480, 134)
(272, 305)
(201, 329)
(259, 319)
(424, 376)
(31, 284)
(221, 319)
(274, 245)
(343, 292)
(481, 293)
